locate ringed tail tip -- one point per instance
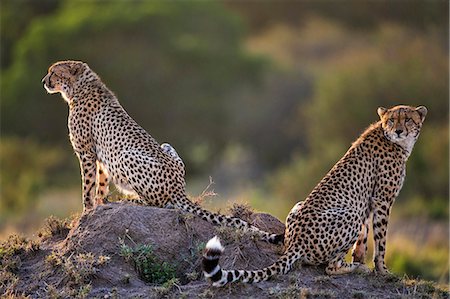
(214, 245)
(210, 262)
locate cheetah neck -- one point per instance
(376, 129)
(66, 98)
(407, 145)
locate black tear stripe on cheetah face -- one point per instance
(110, 145)
(335, 216)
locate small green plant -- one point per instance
(191, 276)
(146, 264)
(83, 291)
(358, 295)
(166, 287)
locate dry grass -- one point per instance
(207, 192)
(75, 272)
(235, 235)
(79, 268)
(412, 288)
(297, 292)
(79, 293)
(56, 227)
(241, 210)
(12, 251)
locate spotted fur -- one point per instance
(110, 145)
(335, 216)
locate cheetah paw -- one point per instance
(363, 269)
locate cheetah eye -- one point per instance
(390, 121)
(408, 120)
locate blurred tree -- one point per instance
(172, 65)
(407, 70)
(23, 173)
(355, 14)
(15, 17)
(263, 117)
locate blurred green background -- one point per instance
(263, 96)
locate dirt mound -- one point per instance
(175, 237)
(112, 251)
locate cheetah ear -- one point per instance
(381, 111)
(74, 70)
(422, 110)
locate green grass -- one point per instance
(148, 267)
(433, 208)
(427, 262)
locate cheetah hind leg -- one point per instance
(102, 188)
(360, 248)
(339, 266)
(168, 149)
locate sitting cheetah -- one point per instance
(335, 216)
(111, 145)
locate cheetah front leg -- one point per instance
(88, 167)
(102, 186)
(380, 222)
(360, 248)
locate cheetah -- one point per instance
(111, 146)
(335, 216)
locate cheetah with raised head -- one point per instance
(110, 145)
(335, 216)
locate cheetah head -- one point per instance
(65, 77)
(402, 124)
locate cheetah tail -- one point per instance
(220, 277)
(217, 219)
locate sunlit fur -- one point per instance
(401, 124)
(64, 77)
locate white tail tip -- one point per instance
(214, 244)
